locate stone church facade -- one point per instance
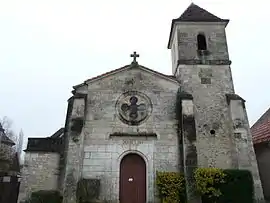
(125, 125)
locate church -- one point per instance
(125, 125)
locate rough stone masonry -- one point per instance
(131, 113)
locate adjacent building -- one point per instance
(261, 139)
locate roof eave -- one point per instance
(58, 133)
(170, 37)
(167, 77)
(79, 85)
(98, 77)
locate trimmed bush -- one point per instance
(171, 187)
(45, 196)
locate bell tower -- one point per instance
(198, 37)
(200, 61)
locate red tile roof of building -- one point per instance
(261, 129)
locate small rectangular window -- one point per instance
(237, 135)
(201, 42)
(205, 80)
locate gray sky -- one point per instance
(46, 47)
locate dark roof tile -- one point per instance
(58, 133)
(195, 13)
(47, 144)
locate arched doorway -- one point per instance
(132, 179)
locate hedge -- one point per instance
(45, 196)
(238, 188)
(171, 187)
(207, 180)
(213, 184)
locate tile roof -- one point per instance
(195, 13)
(47, 144)
(58, 133)
(261, 129)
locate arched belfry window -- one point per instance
(201, 42)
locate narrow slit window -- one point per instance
(201, 41)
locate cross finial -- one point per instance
(134, 55)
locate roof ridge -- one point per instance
(197, 13)
(171, 77)
(57, 133)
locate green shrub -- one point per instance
(236, 188)
(171, 187)
(45, 196)
(207, 180)
(213, 184)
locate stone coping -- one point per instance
(140, 134)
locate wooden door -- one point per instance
(132, 179)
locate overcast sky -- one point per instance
(46, 47)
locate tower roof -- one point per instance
(195, 13)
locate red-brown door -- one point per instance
(132, 179)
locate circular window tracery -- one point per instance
(133, 107)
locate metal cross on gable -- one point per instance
(134, 55)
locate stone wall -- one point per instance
(174, 54)
(207, 77)
(74, 142)
(263, 153)
(215, 38)
(211, 112)
(103, 148)
(7, 153)
(244, 155)
(216, 119)
(40, 172)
